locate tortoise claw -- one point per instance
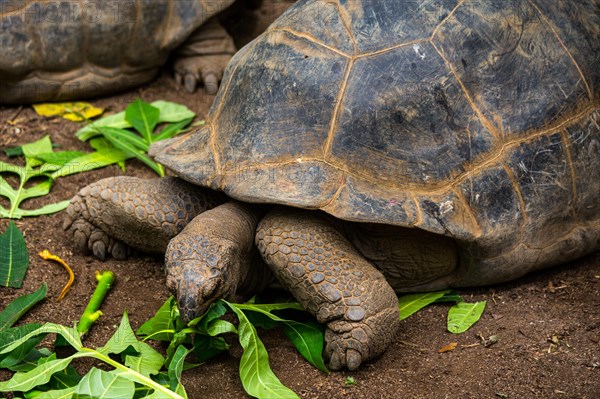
(190, 83)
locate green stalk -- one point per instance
(92, 312)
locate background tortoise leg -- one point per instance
(109, 215)
(333, 281)
(213, 257)
(203, 57)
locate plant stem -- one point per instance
(92, 312)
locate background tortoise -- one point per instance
(449, 144)
(72, 50)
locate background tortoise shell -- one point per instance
(475, 120)
(67, 49)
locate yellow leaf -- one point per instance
(450, 347)
(77, 112)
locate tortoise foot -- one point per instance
(89, 238)
(348, 344)
(203, 58)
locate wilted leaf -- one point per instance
(463, 315)
(77, 112)
(447, 348)
(14, 257)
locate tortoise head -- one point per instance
(198, 273)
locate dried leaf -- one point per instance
(447, 348)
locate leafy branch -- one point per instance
(143, 118)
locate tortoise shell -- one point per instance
(68, 49)
(475, 120)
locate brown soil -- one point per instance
(548, 323)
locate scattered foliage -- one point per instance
(460, 317)
(133, 130)
(202, 335)
(42, 167)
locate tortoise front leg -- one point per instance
(113, 214)
(333, 281)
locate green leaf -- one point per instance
(31, 360)
(160, 327)
(41, 146)
(463, 315)
(66, 393)
(20, 352)
(17, 355)
(45, 210)
(122, 339)
(116, 120)
(452, 296)
(133, 151)
(206, 347)
(14, 257)
(68, 333)
(218, 327)
(13, 151)
(216, 310)
(143, 117)
(67, 378)
(171, 130)
(148, 362)
(17, 308)
(59, 158)
(257, 377)
(34, 167)
(410, 304)
(172, 112)
(176, 368)
(308, 340)
(99, 384)
(94, 160)
(125, 135)
(38, 376)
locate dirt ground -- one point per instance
(548, 323)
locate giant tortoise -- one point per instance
(57, 50)
(372, 147)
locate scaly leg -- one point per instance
(120, 212)
(333, 281)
